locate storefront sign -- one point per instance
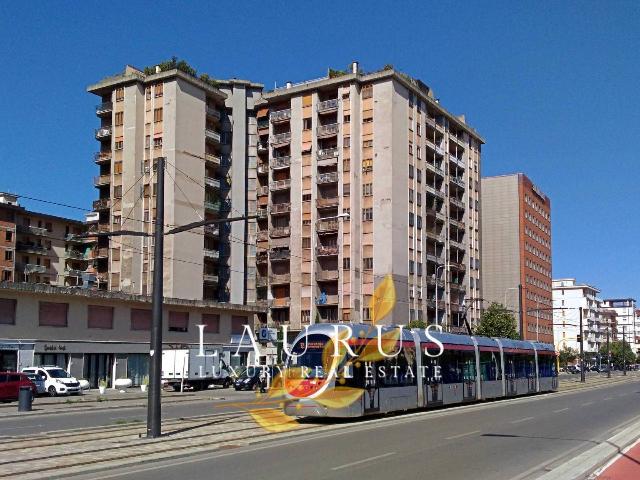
(54, 348)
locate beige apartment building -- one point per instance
(516, 252)
(206, 131)
(39, 248)
(361, 176)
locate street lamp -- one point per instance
(435, 276)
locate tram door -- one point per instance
(432, 381)
(531, 376)
(510, 375)
(371, 390)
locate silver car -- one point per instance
(38, 381)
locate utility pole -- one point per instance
(608, 356)
(520, 312)
(581, 348)
(155, 347)
(624, 356)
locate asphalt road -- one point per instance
(82, 418)
(514, 439)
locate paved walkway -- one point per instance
(624, 467)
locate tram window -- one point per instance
(490, 366)
(396, 370)
(547, 366)
(357, 373)
(458, 366)
(525, 365)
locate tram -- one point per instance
(462, 369)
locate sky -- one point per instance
(553, 87)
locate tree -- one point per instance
(617, 356)
(567, 355)
(497, 321)
(416, 324)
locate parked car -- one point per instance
(39, 382)
(573, 369)
(249, 379)
(10, 383)
(56, 380)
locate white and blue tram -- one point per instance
(469, 369)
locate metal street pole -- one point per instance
(154, 421)
(438, 267)
(608, 356)
(624, 356)
(581, 348)
(537, 320)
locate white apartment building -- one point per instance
(627, 319)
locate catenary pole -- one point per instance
(581, 348)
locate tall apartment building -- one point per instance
(628, 320)
(206, 131)
(598, 318)
(38, 248)
(361, 176)
(516, 252)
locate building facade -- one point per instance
(516, 252)
(39, 248)
(628, 320)
(206, 131)
(95, 334)
(361, 176)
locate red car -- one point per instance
(10, 383)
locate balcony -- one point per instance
(211, 254)
(455, 244)
(262, 256)
(431, 257)
(262, 147)
(212, 182)
(262, 282)
(328, 157)
(262, 236)
(327, 300)
(104, 108)
(213, 112)
(263, 168)
(456, 139)
(103, 132)
(263, 191)
(432, 281)
(279, 254)
(37, 231)
(331, 177)
(73, 272)
(31, 248)
(213, 159)
(102, 204)
(458, 287)
(74, 255)
(278, 163)
(262, 125)
(282, 302)
(30, 268)
(433, 235)
(456, 223)
(434, 191)
(280, 208)
(435, 169)
(102, 158)
(328, 130)
(459, 181)
(458, 161)
(102, 180)
(99, 253)
(280, 116)
(327, 226)
(212, 135)
(217, 206)
(279, 279)
(209, 278)
(279, 232)
(456, 203)
(280, 184)
(457, 265)
(327, 275)
(281, 138)
(328, 106)
(261, 213)
(212, 230)
(331, 202)
(327, 251)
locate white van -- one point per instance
(56, 380)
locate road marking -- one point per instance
(586, 404)
(561, 410)
(608, 398)
(622, 394)
(20, 428)
(359, 462)
(462, 435)
(522, 420)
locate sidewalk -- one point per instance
(625, 466)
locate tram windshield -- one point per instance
(306, 357)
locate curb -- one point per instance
(583, 465)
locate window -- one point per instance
(411, 195)
(367, 165)
(6, 276)
(306, 197)
(346, 165)
(99, 316)
(367, 143)
(140, 319)
(419, 175)
(8, 254)
(367, 120)
(306, 242)
(118, 145)
(147, 92)
(53, 314)
(306, 316)
(366, 314)
(306, 124)
(9, 236)
(347, 118)
(411, 267)
(117, 191)
(178, 321)
(419, 130)
(411, 149)
(159, 89)
(367, 214)
(418, 222)
(119, 94)
(410, 171)
(367, 189)
(237, 324)
(346, 263)
(157, 115)
(8, 311)
(419, 199)
(367, 263)
(211, 321)
(346, 142)
(119, 119)
(157, 142)
(346, 190)
(48, 226)
(367, 91)
(418, 153)
(411, 219)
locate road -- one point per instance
(30, 424)
(514, 439)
